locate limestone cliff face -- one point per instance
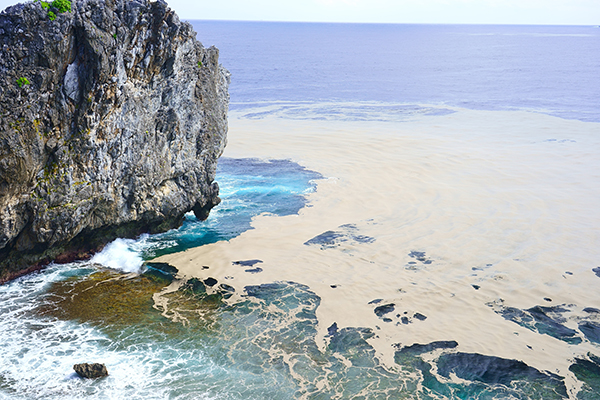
(112, 118)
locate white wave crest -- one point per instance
(121, 254)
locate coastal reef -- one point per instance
(112, 118)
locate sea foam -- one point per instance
(120, 254)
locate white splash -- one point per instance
(121, 254)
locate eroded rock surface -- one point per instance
(91, 371)
(115, 129)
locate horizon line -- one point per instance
(392, 23)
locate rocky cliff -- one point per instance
(112, 118)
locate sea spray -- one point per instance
(120, 254)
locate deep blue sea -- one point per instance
(265, 347)
(547, 69)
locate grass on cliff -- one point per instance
(22, 81)
(61, 5)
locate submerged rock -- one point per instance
(112, 118)
(347, 233)
(418, 349)
(91, 371)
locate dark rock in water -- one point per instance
(591, 310)
(194, 285)
(596, 271)
(112, 118)
(420, 316)
(544, 320)
(226, 291)
(164, 268)
(332, 330)
(91, 371)
(327, 239)
(588, 371)
(210, 282)
(376, 301)
(476, 287)
(254, 270)
(591, 330)
(247, 263)
(384, 309)
(405, 320)
(419, 256)
(546, 324)
(354, 340)
(226, 288)
(495, 370)
(418, 349)
(331, 239)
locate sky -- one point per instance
(550, 12)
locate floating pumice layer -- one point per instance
(475, 227)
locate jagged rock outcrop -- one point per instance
(112, 118)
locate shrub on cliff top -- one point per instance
(62, 5)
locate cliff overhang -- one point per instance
(112, 119)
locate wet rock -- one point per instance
(117, 133)
(91, 371)
(210, 282)
(548, 325)
(384, 309)
(588, 371)
(226, 291)
(418, 349)
(254, 270)
(544, 320)
(247, 263)
(596, 271)
(494, 370)
(420, 256)
(106, 297)
(420, 316)
(164, 268)
(333, 329)
(591, 330)
(227, 288)
(347, 233)
(194, 285)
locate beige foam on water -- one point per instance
(505, 201)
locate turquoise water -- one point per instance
(248, 187)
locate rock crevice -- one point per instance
(116, 131)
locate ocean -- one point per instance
(409, 212)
